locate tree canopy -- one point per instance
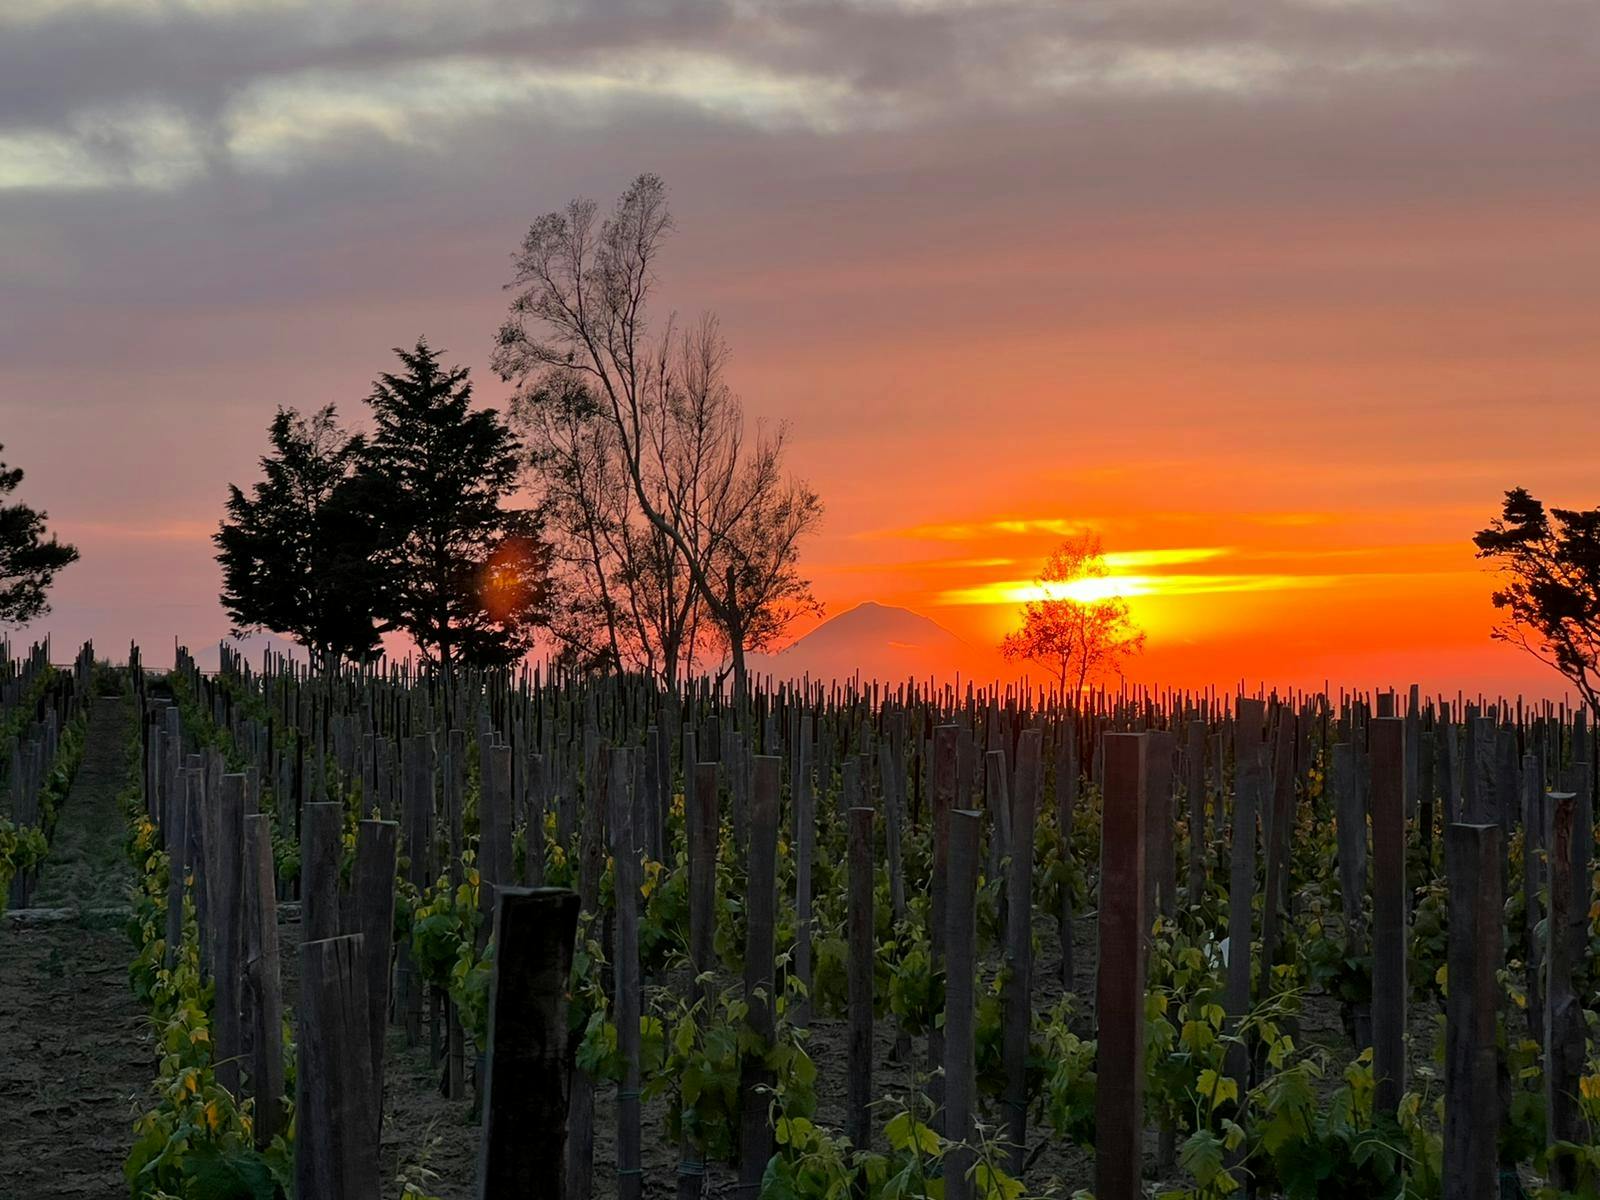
(30, 555)
(296, 552)
(408, 529)
(1075, 637)
(1550, 593)
(460, 571)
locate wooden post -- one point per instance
(1350, 818)
(997, 801)
(755, 1138)
(1119, 993)
(1194, 788)
(701, 813)
(1066, 805)
(195, 822)
(1534, 829)
(227, 915)
(805, 833)
(320, 851)
(703, 829)
(946, 751)
(1279, 828)
(625, 857)
(960, 1055)
(494, 817)
(1242, 882)
(1386, 741)
(177, 831)
(262, 979)
(891, 772)
(453, 785)
(648, 806)
(591, 866)
(526, 1066)
(1564, 1020)
(372, 916)
(858, 1110)
(1160, 863)
(336, 1132)
(416, 809)
(1472, 1098)
(1029, 782)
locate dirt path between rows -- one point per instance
(74, 1051)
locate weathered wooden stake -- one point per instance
(1472, 1098)
(755, 1131)
(228, 919)
(1386, 743)
(960, 1054)
(701, 813)
(336, 1130)
(946, 752)
(1119, 991)
(262, 979)
(1242, 880)
(625, 851)
(372, 916)
(1564, 1021)
(526, 1067)
(1029, 782)
(320, 849)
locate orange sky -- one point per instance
(1293, 288)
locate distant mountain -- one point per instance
(876, 641)
(208, 656)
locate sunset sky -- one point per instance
(1277, 295)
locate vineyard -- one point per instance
(523, 934)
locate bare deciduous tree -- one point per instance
(674, 519)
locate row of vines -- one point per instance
(908, 943)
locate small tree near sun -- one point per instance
(1550, 566)
(1077, 637)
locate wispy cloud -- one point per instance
(969, 531)
(1169, 556)
(1020, 591)
(263, 83)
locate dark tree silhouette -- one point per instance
(295, 553)
(1550, 594)
(711, 510)
(1076, 638)
(462, 573)
(29, 556)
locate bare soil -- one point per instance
(74, 1048)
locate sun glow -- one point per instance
(1094, 588)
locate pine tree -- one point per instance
(29, 559)
(463, 573)
(296, 552)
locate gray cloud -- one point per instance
(159, 94)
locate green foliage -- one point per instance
(196, 1141)
(25, 848)
(1069, 1077)
(814, 1163)
(461, 573)
(1428, 945)
(295, 553)
(1550, 584)
(21, 850)
(29, 558)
